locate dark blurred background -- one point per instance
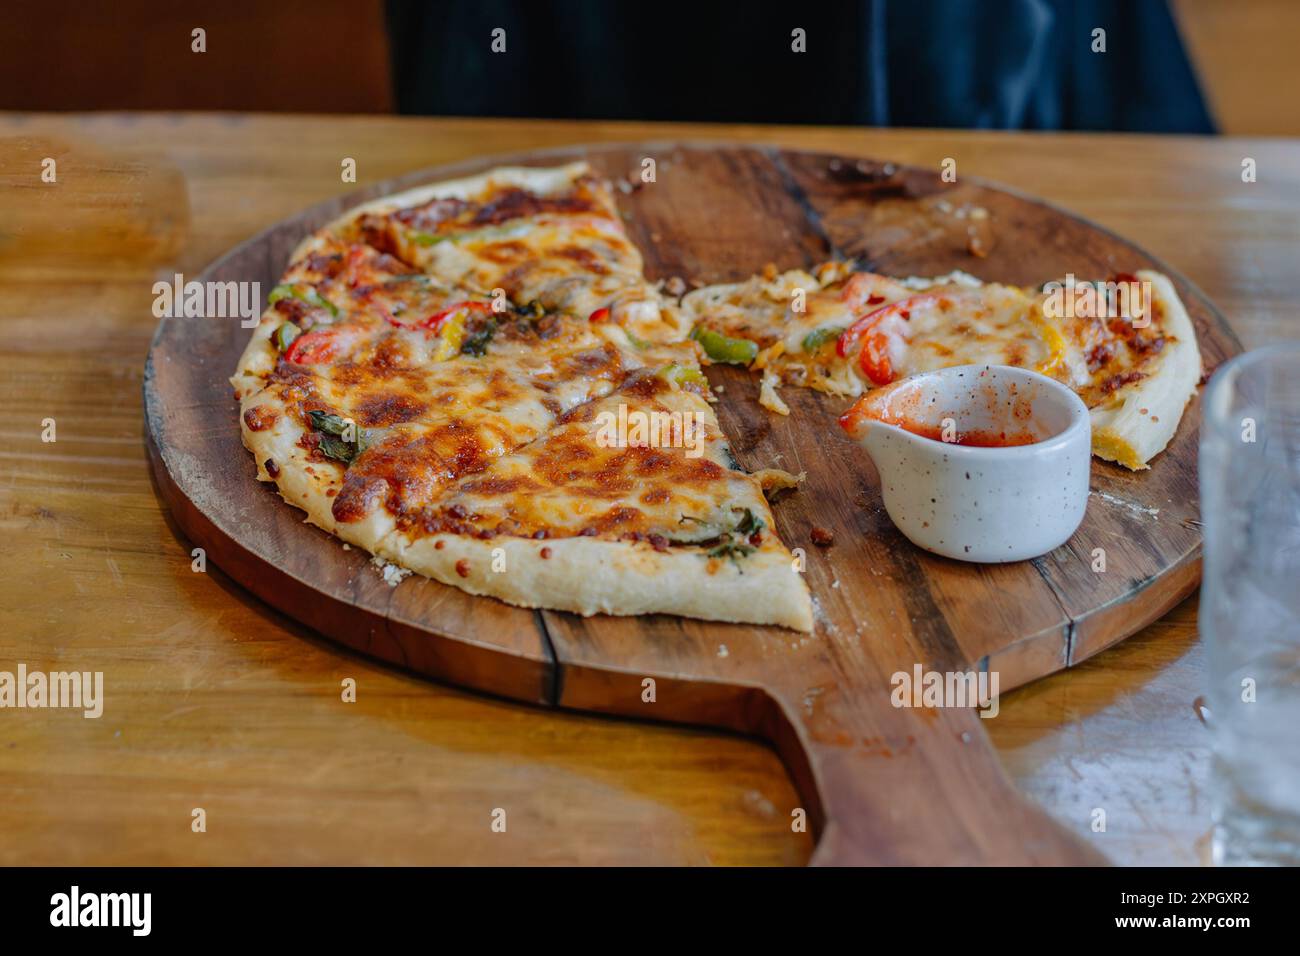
(1190, 66)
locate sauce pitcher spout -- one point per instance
(883, 440)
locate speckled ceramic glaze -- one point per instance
(986, 504)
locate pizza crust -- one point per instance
(591, 576)
(540, 180)
(1139, 423)
(305, 483)
(258, 358)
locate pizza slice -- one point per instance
(550, 239)
(630, 504)
(1124, 344)
(1135, 367)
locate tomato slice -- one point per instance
(312, 348)
(600, 315)
(323, 344)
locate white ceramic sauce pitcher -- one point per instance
(1004, 476)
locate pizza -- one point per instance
(510, 409)
(1124, 343)
(474, 380)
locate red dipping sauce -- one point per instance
(906, 408)
(975, 438)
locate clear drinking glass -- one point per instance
(1250, 603)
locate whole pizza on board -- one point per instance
(475, 381)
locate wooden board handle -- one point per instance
(910, 786)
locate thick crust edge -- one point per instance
(591, 576)
(538, 179)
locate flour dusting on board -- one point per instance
(393, 574)
(1132, 506)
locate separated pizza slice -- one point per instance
(807, 327)
(1124, 343)
(630, 504)
(548, 238)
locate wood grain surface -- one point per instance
(218, 700)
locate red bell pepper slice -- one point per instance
(435, 321)
(357, 256)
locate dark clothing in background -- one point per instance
(994, 64)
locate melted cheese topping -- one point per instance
(994, 325)
(573, 483)
(798, 319)
(480, 421)
(566, 252)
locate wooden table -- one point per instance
(215, 701)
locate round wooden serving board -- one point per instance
(880, 784)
